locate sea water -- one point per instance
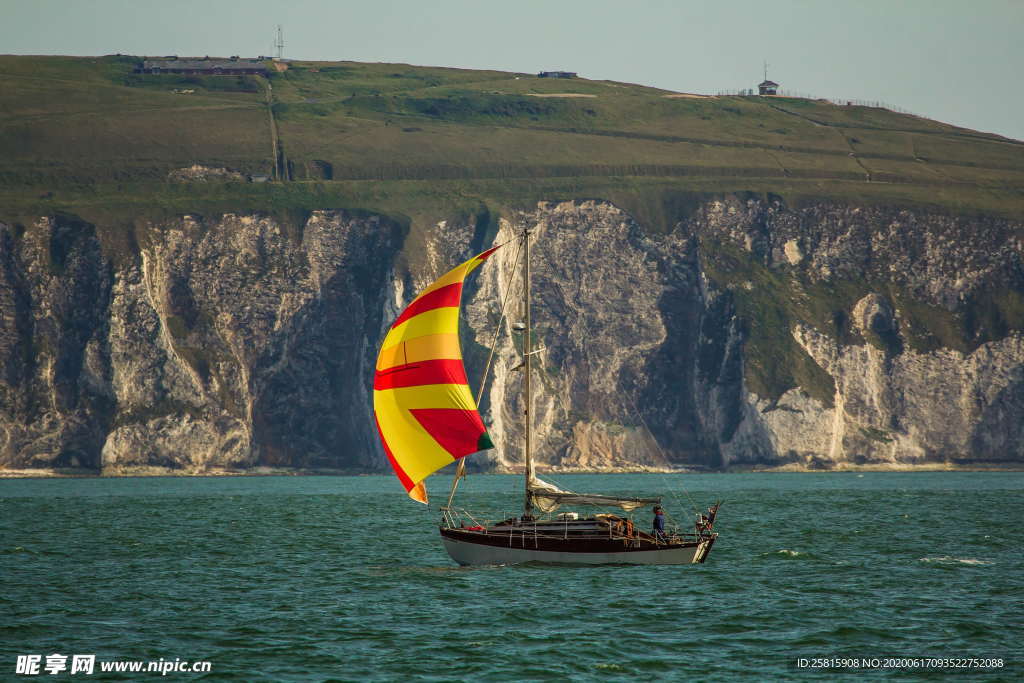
(345, 578)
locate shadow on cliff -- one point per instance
(311, 385)
(56, 400)
(692, 358)
(999, 434)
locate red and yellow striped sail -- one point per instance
(426, 415)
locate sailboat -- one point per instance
(427, 418)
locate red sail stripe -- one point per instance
(483, 256)
(436, 371)
(440, 298)
(458, 431)
(402, 476)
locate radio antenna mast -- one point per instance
(280, 42)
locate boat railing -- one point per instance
(520, 531)
(452, 518)
(448, 517)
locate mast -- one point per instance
(527, 356)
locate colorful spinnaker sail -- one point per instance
(426, 415)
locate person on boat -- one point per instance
(712, 512)
(659, 523)
(706, 523)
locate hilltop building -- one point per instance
(209, 66)
(767, 87)
(557, 74)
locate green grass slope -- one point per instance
(89, 136)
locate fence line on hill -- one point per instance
(839, 101)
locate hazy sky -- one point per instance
(958, 61)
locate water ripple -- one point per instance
(275, 578)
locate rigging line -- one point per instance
(497, 328)
(549, 477)
(650, 434)
(460, 472)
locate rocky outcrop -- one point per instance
(748, 333)
(55, 287)
(218, 345)
(640, 343)
(915, 320)
(198, 172)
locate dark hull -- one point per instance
(516, 546)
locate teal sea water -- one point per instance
(344, 578)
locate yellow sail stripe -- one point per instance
(435, 321)
(419, 349)
(456, 274)
(404, 432)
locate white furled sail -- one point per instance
(547, 497)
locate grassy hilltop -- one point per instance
(90, 137)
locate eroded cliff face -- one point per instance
(218, 345)
(753, 334)
(911, 323)
(748, 333)
(56, 393)
(618, 314)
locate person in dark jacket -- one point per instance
(659, 523)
